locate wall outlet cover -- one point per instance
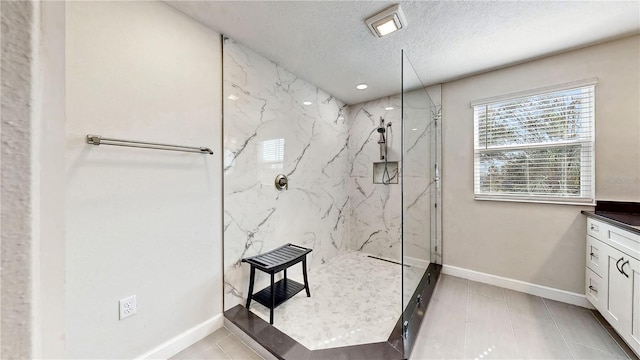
(128, 307)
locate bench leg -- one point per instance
(273, 300)
(253, 274)
(304, 275)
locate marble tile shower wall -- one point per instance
(420, 193)
(269, 131)
(375, 208)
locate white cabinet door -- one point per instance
(620, 291)
(621, 303)
(633, 269)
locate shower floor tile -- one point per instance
(354, 300)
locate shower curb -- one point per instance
(284, 347)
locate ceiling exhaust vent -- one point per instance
(387, 21)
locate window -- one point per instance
(536, 146)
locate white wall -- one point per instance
(49, 184)
(140, 221)
(537, 243)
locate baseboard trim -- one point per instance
(185, 339)
(517, 285)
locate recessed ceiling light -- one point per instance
(340, 117)
(414, 129)
(386, 27)
(389, 108)
(362, 86)
(387, 21)
(307, 103)
(232, 97)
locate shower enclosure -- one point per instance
(421, 210)
(374, 241)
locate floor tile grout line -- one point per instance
(203, 350)
(513, 329)
(215, 343)
(224, 352)
(210, 346)
(557, 327)
(243, 343)
(226, 336)
(600, 350)
(608, 334)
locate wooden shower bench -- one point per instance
(273, 262)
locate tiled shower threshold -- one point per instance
(285, 347)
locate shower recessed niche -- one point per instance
(385, 172)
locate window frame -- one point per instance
(587, 146)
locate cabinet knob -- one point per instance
(594, 255)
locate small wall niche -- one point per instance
(390, 176)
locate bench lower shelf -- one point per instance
(284, 290)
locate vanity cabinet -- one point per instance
(612, 281)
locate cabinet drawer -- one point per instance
(623, 240)
(593, 289)
(596, 256)
(597, 229)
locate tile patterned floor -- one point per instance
(220, 345)
(354, 300)
(470, 320)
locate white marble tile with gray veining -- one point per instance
(269, 130)
(375, 208)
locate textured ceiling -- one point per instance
(328, 43)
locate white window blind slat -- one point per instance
(536, 148)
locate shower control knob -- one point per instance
(282, 183)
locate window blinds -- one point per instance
(538, 147)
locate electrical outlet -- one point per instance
(128, 307)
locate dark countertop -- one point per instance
(626, 221)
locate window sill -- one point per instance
(537, 201)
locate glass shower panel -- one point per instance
(420, 195)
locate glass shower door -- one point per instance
(421, 251)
